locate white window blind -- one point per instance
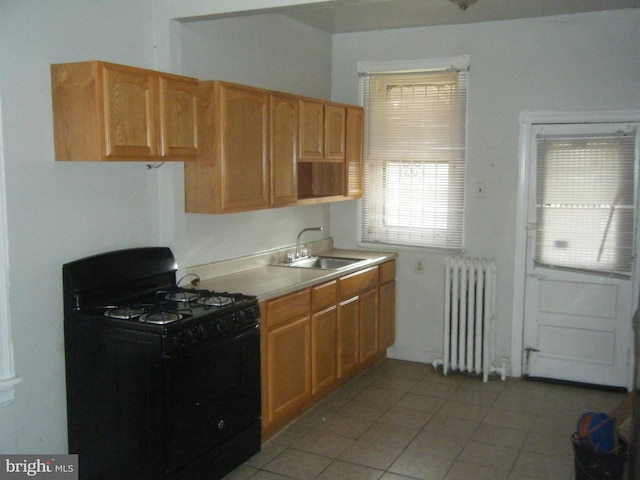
(414, 171)
(585, 200)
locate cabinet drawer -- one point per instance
(323, 296)
(287, 308)
(357, 282)
(387, 271)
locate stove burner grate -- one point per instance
(124, 313)
(160, 318)
(182, 296)
(215, 300)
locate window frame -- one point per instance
(8, 378)
(460, 63)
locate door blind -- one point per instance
(586, 201)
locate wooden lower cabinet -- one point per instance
(318, 338)
(289, 354)
(369, 326)
(286, 357)
(387, 305)
(387, 314)
(348, 337)
(324, 368)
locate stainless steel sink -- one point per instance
(322, 263)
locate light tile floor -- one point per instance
(402, 421)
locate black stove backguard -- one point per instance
(117, 277)
(148, 402)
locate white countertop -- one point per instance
(270, 281)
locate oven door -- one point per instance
(212, 393)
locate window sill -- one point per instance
(396, 247)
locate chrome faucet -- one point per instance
(312, 229)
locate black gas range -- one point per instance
(162, 381)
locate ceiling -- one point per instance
(345, 16)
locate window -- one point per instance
(414, 170)
(585, 199)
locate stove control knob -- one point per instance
(200, 333)
(180, 339)
(239, 317)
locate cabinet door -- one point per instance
(387, 312)
(178, 117)
(244, 119)
(289, 368)
(334, 132)
(324, 295)
(311, 130)
(355, 139)
(323, 349)
(287, 308)
(368, 325)
(130, 112)
(284, 144)
(352, 284)
(348, 336)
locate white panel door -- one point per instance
(577, 324)
(577, 327)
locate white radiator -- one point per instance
(469, 313)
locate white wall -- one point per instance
(59, 211)
(573, 63)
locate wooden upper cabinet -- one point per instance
(354, 151)
(178, 117)
(131, 112)
(231, 172)
(283, 111)
(311, 130)
(322, 131)
(334, 132)
(244, 117)
(103, 111)
(321, 160)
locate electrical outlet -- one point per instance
(418, 266)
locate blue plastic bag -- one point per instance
(596, 430)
